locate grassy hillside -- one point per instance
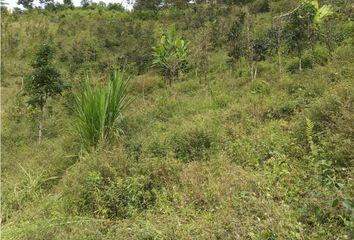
(211, 156)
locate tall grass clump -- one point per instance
(99, 108)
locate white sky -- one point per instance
(126, 3)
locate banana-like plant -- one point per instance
(321, 12)
(170, 56)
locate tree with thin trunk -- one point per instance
(275, 37)
(303, 26)
(236, 40)
(44, 82)
(299, 32)
(201, 52)
(260, 48)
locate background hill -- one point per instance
(245, 143)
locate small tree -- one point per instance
(298, 31)
(68, 3)
(323, 25)
(201, 51)
(47, 3)
(303, 26)
(44, 82)
(85, 3)
(260, 48)
(3, 9)
(28, 4)
(171, 55)
(236, 40)
(152, 5)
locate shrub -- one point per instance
(307, 62)
(260, 6)
(157, 149)
(260, 87)
(191, 145)
(99, 108)
(241, 152)
(321, 56)
(285, 110)
(219, 100)
(165, 108)
(121, 198)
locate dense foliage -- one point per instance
(254, 141)
(171, 55)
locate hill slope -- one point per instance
(221, 157)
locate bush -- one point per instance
(84, 50)
(321, 56)
(165, 108)
(241, 152)
(332, 112)
(260, 6)
(121, 198)
(157, 149)
(192, 145)
(293, 65)
(260, 87)
(285, 110)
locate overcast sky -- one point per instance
(125, 3)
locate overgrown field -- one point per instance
(205, 152)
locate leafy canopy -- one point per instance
(45, 80)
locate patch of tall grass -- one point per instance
(99, 109)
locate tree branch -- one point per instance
(288, 13)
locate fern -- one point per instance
(309, 135)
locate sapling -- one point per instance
(43, 83)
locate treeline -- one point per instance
(105, 38)
(138, 4)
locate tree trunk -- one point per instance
(40, 119)
(279, 62)
(279, 51)
(170, 81)
(255, 71)
(40, 130)
(144, 94)
(22, 84)
(249, 48)
(252, 71)
(300, 64)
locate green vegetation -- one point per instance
(253, 140)
(99, 109)
(44, 82)
(171, 55)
